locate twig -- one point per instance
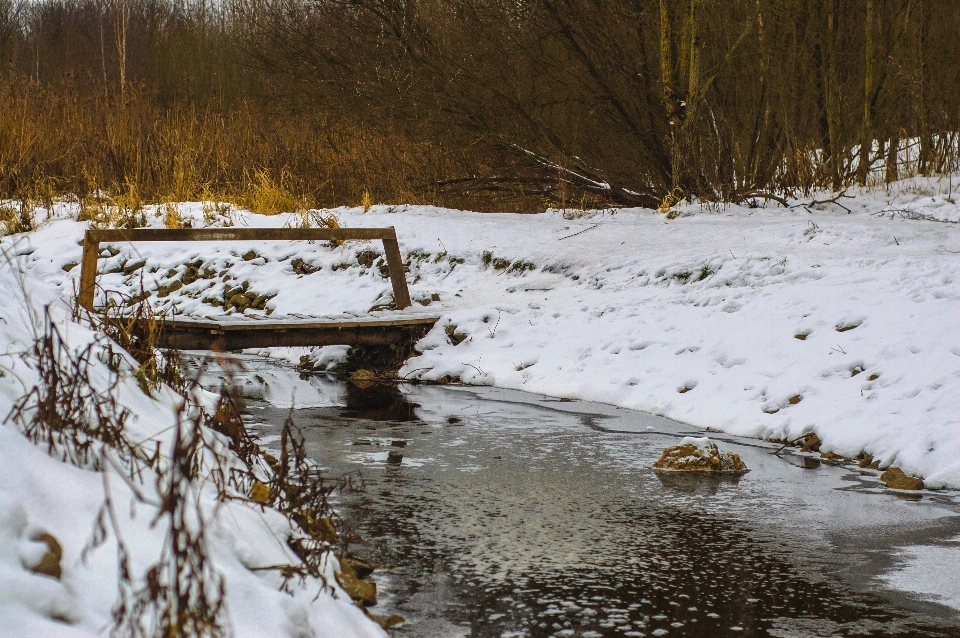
(780, 449)
(493, 333)
(474, 367)
(577, 233)
(906, 213)
(404, 377)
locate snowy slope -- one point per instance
(41, 495)
(695, 318)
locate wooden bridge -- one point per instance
(236, 332)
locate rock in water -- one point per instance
(363, 592)
(699, 455)
(898, 480)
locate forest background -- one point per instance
(509, 105)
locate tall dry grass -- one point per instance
(61, 139)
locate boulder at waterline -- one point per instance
(699, 455)
(897, 479)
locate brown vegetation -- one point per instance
(483, 104)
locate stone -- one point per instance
(699, 455)
(326, 531)
(456, 338)
(260, 493)
(363, 592)
(133, 266)
(895, 478)
(190, 275)
(360, 568)
(367, 257)
(811, 443)
(303, 268)
(49, 565)
(250, 255)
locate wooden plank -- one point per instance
(391, 248)
(225, 325)
(238, 234)
(198, 335)
(88, 272)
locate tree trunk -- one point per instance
(671, 99)
(866, 134)
(830, 96)
(893, 152)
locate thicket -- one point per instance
(483, 104)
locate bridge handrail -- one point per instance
(93, 237)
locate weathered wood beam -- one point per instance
(93, 238)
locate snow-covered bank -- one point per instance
(42, 498)
(837, 318)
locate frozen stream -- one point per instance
(502, 513)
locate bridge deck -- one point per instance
(240, 332)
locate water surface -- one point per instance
(500, 513)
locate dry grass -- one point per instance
(115, 156)
(269, 195)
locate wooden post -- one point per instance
(391, 248)
(88, 271)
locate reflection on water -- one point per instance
(377, 402)
(504, 519)
(693, 484)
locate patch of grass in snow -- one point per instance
(17, 217)
(499, 263)
(120, 211)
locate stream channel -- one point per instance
(502, 513)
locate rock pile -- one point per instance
(699, 455)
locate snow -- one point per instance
(929, 570)
(695, 318)
(702, 443)
(39, 494)
(771, 322)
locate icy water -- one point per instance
(500, 513)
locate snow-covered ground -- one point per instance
(40, 495)
(837, 318)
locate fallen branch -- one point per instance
(830, 200)
(762, 195)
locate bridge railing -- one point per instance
(93, 238)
